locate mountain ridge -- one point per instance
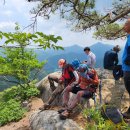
(76, 52)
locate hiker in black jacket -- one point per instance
(111, 58)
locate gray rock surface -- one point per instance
(49, 120)
(45, 89)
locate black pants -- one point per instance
(127, 80)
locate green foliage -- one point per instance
(10, 102)
(19, 93)
(18, 61)
(28, 91)
(109, 30)
(97, 122)
(10, 93)
(10, 111)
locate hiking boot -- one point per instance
(127, 114)
(65, 114)
(61, 110)
(45, 107)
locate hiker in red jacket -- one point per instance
(68, 77)
(86, 88)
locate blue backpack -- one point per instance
(75, 63)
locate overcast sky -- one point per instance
(18, 11)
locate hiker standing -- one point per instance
(86, 88)
(91, 59)
(68, 77)
(111, 58)
(111, 63)
(126, 63)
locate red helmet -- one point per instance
(61, 63)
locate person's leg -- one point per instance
(127, 86)
(56, 92)
(76, 100)
(66, 95)
(73, 104)
(52, 79)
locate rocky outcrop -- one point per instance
(45, 90)
(49, 120)
(113, 92)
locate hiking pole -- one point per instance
(100, 93)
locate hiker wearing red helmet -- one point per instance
(68, 77)
(86, 88)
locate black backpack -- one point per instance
(113, 115)
(117, 72)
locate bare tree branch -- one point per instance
(120, 16)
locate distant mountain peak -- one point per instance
(100, 44)
(75, 45)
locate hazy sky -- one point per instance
(18, 11)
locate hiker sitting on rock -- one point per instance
(69, 77)
(86, 88)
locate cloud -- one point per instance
(7, 25)
(18, 11)
(23, 6)
(7, 13)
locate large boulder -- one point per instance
(46, 91)
(49, 120)
(113, 91)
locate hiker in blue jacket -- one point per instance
(111, 58)
(126, 63)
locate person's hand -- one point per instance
(84, 62)
(60, 81)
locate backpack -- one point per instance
(117, 72)
(113, 115)
(75, 63)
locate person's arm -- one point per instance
(76, 77)
(128, 49)
(71, 69)
(84, 62)
(127, 60)
(89, 61)
(95, 79)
